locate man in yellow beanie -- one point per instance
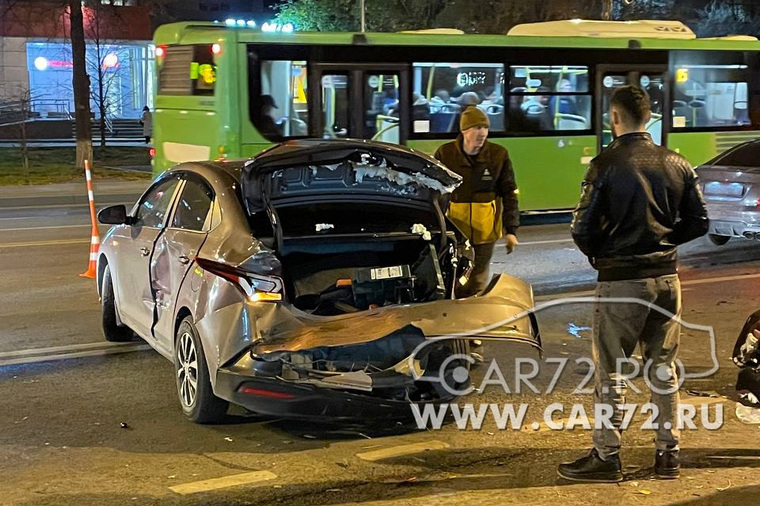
(484, 206)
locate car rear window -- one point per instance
(745, 155)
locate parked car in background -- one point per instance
(731, 186)
(298, 283)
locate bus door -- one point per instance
(362, 102)
(654, 79)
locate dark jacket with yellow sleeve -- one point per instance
(484, 206)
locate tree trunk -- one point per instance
(101, 103)
(81, 84)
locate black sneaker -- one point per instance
(593, 469)
(667, 465)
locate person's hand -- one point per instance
(511, 241)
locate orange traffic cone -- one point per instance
(92, 267)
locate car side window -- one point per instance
(153, 207)
(193, 208)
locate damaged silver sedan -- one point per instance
(299, 283)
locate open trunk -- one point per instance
(356, 232)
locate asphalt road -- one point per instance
(86, 423)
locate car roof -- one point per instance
(211, 169)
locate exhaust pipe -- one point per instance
(749, 235)
(757, 236)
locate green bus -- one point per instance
(230, 92)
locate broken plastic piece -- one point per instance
(419, 228)
(321, 227)
(747, 415)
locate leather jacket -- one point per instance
(639, 202)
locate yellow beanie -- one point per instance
(472, 117)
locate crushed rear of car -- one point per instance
(351, 267)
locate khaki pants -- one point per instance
(618, 327)
(481, 270)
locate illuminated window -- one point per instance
(188, 70)
(546, 98)
(281, 108)
(711, 90)
(447, 88)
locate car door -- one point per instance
(134, 246)
(175, 251)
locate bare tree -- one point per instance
(100, 62)
(25, 108)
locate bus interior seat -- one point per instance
(698, 113)
(442, 121)
(495, 115)
(571, 122)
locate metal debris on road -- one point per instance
(124, 425)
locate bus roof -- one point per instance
(609, 29)
(195, 32)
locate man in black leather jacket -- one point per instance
(639, 202)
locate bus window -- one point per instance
(187, 70)
(710, 90)
(335, 106)
(546, 98)
(653, 83)
(381, 97)
(447, 88)
(281, 110)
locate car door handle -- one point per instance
(144, 252)
(184, 260)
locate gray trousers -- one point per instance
(618, 327)
(481, 270)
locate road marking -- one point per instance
(235, 480)
(63, 349)
(30, 244)
(122, 348)
(550, 241)
(21, 229)
(688, 282)
(719, 279)
(400, 451)
(54, 206)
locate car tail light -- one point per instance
(257, 288)
(265, 393)
(757, 203)
(160, 51)
(152, 152)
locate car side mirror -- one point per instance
(114, 215)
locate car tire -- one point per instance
(719, 240)
(197, 400)
(112, 331)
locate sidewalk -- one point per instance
(106, 192)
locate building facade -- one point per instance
(36, 67)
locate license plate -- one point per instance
(724, 189)
(387, 272)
